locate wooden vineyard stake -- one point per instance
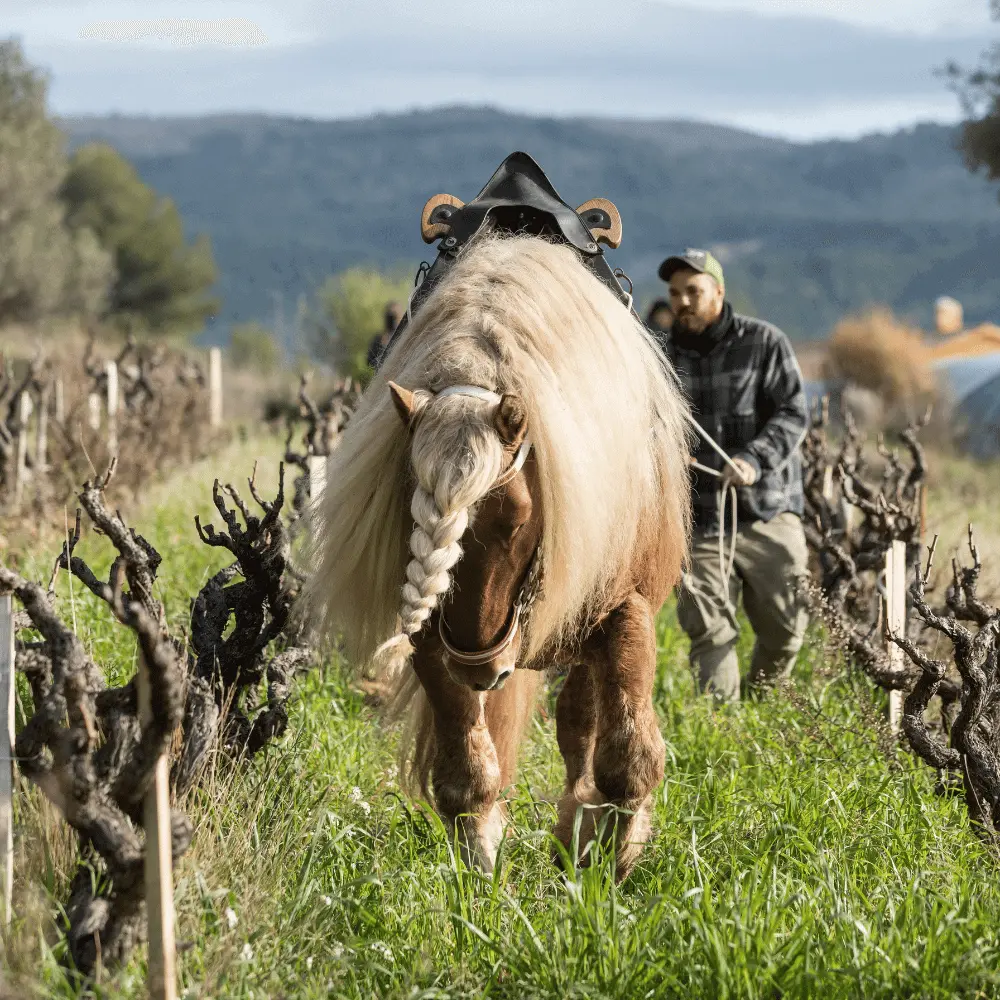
(828, 483)
(923, 513)
(112, 371)
(317, 478)
(42, 431)
(215, 387)
(94, 411)
(895, 592)
(159, 866)
(7, 752)
(60, 401)
(21, 471)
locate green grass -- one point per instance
(790, 858)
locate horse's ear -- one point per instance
(603, 220)
(404, 402)
(436, 215)
(511, 420)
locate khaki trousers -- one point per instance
(771, 560)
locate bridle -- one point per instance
(530, 589)
(532, 584)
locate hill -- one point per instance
(807, 231)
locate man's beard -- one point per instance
(683, 324)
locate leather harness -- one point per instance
(518, 198)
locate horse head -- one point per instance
(476, 559)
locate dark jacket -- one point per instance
(747, 392)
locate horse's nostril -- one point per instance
(480, 687)
(501, 680)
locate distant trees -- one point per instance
(161, 282)
(46, 268)
(350, 312)
(84, 236)
(979, 91)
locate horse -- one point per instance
(519, 465)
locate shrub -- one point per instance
(877, 351)
(351, 309)
(253, 346)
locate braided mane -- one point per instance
(444, 493)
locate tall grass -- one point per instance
(961, 492)
(791, 857)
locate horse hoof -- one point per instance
(479, 839)
(628, 831)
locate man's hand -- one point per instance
(746, 476)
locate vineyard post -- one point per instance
(112, 370)
(895, 599)
(60, 406)
(215, 386)
(162, 966)
(42, 430)
(21, 472)
(7, 751)
(94, 411)
(828, 483)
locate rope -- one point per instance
(722, 496)
(726, 569)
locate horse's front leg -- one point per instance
(576, 731)
(628, 755)
(464, 770)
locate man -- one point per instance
(393, 316)
(746, 392)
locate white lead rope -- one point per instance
(710, 441)
(725, 567)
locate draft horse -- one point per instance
(519, 465)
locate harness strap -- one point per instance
(530, 589)
(484, 655)
(491, 397)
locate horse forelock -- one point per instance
(520, 315)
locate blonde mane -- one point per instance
(514, 314)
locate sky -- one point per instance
(803, 69)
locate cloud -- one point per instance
(234, 31)
(924, 17)
(797, 76)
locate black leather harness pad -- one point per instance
(518, 198)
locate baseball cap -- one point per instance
(697, 260)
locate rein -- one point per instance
(530, 588)
(725, 568)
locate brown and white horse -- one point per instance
(519, 465)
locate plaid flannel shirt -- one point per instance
(748, 394)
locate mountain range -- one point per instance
(807, 232)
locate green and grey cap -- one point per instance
(695, 260)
